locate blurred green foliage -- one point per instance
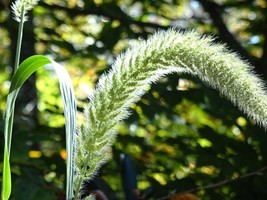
(181, 135)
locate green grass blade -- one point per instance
(6, 177)
(69, 103)
(26, 69)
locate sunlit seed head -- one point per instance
(21, 7)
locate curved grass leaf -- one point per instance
(28, 67)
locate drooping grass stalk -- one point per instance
(164, 53)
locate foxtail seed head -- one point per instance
(164, 53)
(21, 7)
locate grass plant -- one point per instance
(21, 73)
(165, 52)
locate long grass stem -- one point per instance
(8, 133)
(9, 116)
(19, 41)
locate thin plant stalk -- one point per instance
(9, 118)
(19, 41)
(21, 74)
(8, 130)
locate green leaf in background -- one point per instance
(28, 67)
